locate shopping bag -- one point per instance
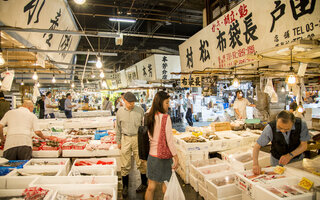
(174, 191)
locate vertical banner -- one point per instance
(131, 74)
(165, 65)
(147, 69)
(41, 14)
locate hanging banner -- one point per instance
(131, 74)
(146, 69)
(190, 81)
(252, 26)
(165, 65)
(122, 83)
(41, 14)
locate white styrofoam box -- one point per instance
(185, 157)
(62, 163)
(301, 173)
(223, 190)
(210, 196)
(238, 165)
(86, 153)
(263, 193)
(194, 165)
(18, 192)
(246, 196)
(46, 154)
(233, 141)
(249, 186)
(215, 145)
(74, 181)
(197, 146)
(209, 171)
(81, 190)
(118, 159)
(184, 174)
(194, 183)
(114, 165)
(203, 191)
(92, 172)
(225, 155)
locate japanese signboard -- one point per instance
(146, 69)
(190, 81)
(131, 74)
(122, 83)
(252, 26)
(41, 14)
(165, 65)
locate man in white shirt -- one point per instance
(240, 105)
(49, 106)
(21, 124)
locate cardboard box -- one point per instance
(220, 126)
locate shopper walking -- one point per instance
(68, 106)
(4, 105)
(189, 110)
(40, 105)
(288, 136)
(160, 132)
(49, 106)
(61, 103)
(240, 105)
(107, 105)
(21, 124)
(129, 118)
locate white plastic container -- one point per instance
(92, 172)
(113, 166)
(209, 171)
(80, 190)
(262, 192)
(203, 191)
(61, 163)
(239, 165)
(194, 165)
(46, 154)
(17, 192)
(225, 190)
(194, 183)
(74, 181)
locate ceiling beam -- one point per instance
(59, 51)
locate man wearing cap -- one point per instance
(129, 118)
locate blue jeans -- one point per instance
(68, 113)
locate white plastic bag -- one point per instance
(174, 191)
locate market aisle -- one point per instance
(134, 182)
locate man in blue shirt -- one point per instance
(68, 106)
(288, 136)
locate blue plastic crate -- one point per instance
(5, 170)
(100, 134)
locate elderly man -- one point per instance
(129, 118)
(288, 136)
(21, 124)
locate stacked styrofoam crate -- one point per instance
(14, 193)
(248, 182)
(81, 190)
(235, 158)
(264, 191)
(112, 165)
(228, 139)
(61, 163)
(98, 171)
(185, 158)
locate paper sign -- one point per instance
(305, 183)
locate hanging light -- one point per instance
(38, 84)
(35, 75)
(72, 85)
(300, 109)
(53, 79)
(2, 61)
(92, 75)
(0, 83)
(291, 78)
(22, 83)
(65, 81)
(101, 74)
(80, 1)
(235, 83)
(99, 63)
(104, 84)
(283, 89)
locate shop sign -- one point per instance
(252, 26)
(190, 81)
(41, 14)
(122, 83)
(146, 69)
(131, 74)
(165, 65)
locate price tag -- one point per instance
(305, 183)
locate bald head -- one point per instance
(28, 104)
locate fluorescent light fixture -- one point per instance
(101, 74)
(99, 63)
(80, 1)
(2, 61)
(35, 75)
(122, 20)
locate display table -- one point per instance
(84, 114)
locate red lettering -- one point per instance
(243, 11)
(232, 19)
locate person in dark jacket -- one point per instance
(40, 105)
(61, 103)
(4, 105)
(288, 136)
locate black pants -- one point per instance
(50, 115)
(41, 114)
(189, 117)
(18, 153)
(68, 113)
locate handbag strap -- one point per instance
(164, 124)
